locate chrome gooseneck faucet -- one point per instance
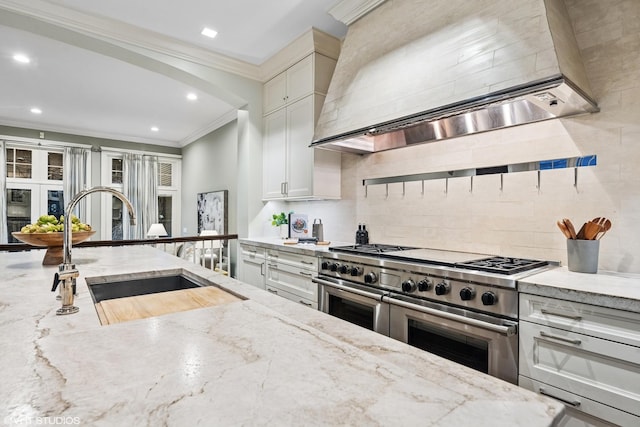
(67, 273)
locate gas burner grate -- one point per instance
(503, 265)
(369, 249)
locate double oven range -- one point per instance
(458, 305)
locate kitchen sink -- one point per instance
(132, 286)
(125, 297)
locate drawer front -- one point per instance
(594, 368)
(253, 252)
(298, 261)
(292, 297)
(615, 325)
(292, 279)
(580, 411)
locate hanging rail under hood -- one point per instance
(424, 67)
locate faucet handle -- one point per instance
(56, 282)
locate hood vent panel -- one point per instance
(543, 100)
(406, 86)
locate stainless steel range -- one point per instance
(458, 305)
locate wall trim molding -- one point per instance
(126, 34)
(349, 11)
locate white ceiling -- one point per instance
(82, 91)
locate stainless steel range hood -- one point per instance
(484, 70)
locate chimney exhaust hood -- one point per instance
(451, 69)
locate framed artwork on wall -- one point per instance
(213, 211)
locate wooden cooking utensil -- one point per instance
(580, 234)
(564, 229)
(591, 230)
(570, 227)
(604, 223)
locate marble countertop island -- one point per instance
(259, 361)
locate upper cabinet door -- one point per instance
(275, 93)
(274, 155)
(300, 80)
(289, 86)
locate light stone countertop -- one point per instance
(301, 248)
(261, 361)
(607, 289)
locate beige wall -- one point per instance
(520, 219)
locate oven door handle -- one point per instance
(347, 289)
(503, 330)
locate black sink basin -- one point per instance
(139, 286)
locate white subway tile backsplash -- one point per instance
(520, 219)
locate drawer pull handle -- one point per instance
(308, 304)
(570, 341)
(273, 291)
(304, 273)
(553, 313)
(575, 403)
(306, 262)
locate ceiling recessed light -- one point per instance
(192, 97)
(23, 59)
(36, 110)
(208, 32)
(154, 129)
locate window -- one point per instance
(165, 216)
(164, 174)
(19, 163)
(116, 171)
(54, 166)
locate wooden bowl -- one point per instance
(53, 242)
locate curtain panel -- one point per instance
(4, 232)
(139, 179)
(75, 178)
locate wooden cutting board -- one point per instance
(143, 306)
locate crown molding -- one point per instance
(122, 33)
(220, 121)
(87, 133)
(349, 11)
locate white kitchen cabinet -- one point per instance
(289, 276)
(586, 356)
(291, 169)
(291, 85)
(252, 265)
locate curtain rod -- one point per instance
(41, 142)
(149, 153)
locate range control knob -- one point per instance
(356, 271)
(370, 278)
(344, 269)
(324, 265)
(408, 285)
(467, 294)
(489, 298)
(333, 266)
(442, 288)
(424, 285)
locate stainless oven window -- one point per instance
(466, 350)
(351, 311)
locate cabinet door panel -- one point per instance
(274, 93)
(292, 297)
(602, 322)
(293, 280)
(300, 79)
(299, 154)
(580, 411)
(274, 154)
(605, 371)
